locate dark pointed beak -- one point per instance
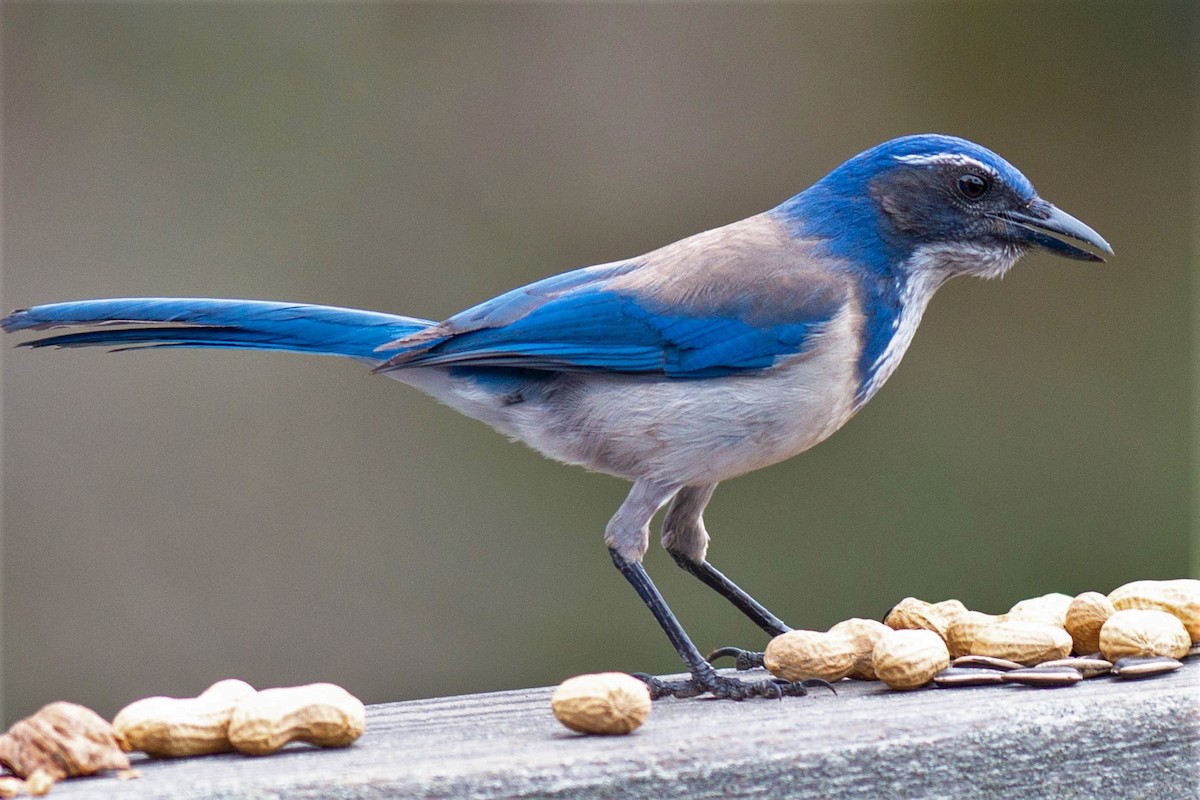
(1040, 219)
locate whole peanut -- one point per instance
(167, 727)
(908, 659)
(1048, 608)
(1027, 643)
(320, 713)
(1180, 597)
(1143, 632)
(797, 655)
(960, 635)
(863, 634)
(607, 703)
(1085, 616)
(914, 614)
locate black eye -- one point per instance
(973, 186)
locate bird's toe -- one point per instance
(742, 659)
(721, 687)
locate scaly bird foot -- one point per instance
(742, 659)
(723, 688)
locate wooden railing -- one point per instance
(1102, 738)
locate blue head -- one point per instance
(936, 203)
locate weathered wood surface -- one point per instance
(1101, 738)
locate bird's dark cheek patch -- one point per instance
(893, 194)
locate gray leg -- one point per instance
(685, 538)
(628, 532)
(627, 537)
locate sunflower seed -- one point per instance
(959, 676)
(1144, 666)
(1042, 677)
(984, 662)
(1088, 667)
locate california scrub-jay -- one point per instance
(700, 361)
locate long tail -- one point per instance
(199, 322)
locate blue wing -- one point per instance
(597, 320)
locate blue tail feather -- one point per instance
(202, 322)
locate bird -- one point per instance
(705, 359)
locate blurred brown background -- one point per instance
(174, 518)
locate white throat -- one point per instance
(927, 269)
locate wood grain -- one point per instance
(1100, 738)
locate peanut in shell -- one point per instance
(1085, 616)
(322, 714)
(1048, 608)
(608, 703)
(961, 633)
(798, 655)
(1143, 632)
(909, 659)
(1180, 598)
(172, 727)
(863, 634)
(912, 613)
(1027, 643)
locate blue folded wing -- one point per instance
(581, 322)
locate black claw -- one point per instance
(742, 659)
(721, 652)
(818, 683)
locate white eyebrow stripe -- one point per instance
(952, 159)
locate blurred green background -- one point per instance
(172, 518)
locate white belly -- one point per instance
(675, 431)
